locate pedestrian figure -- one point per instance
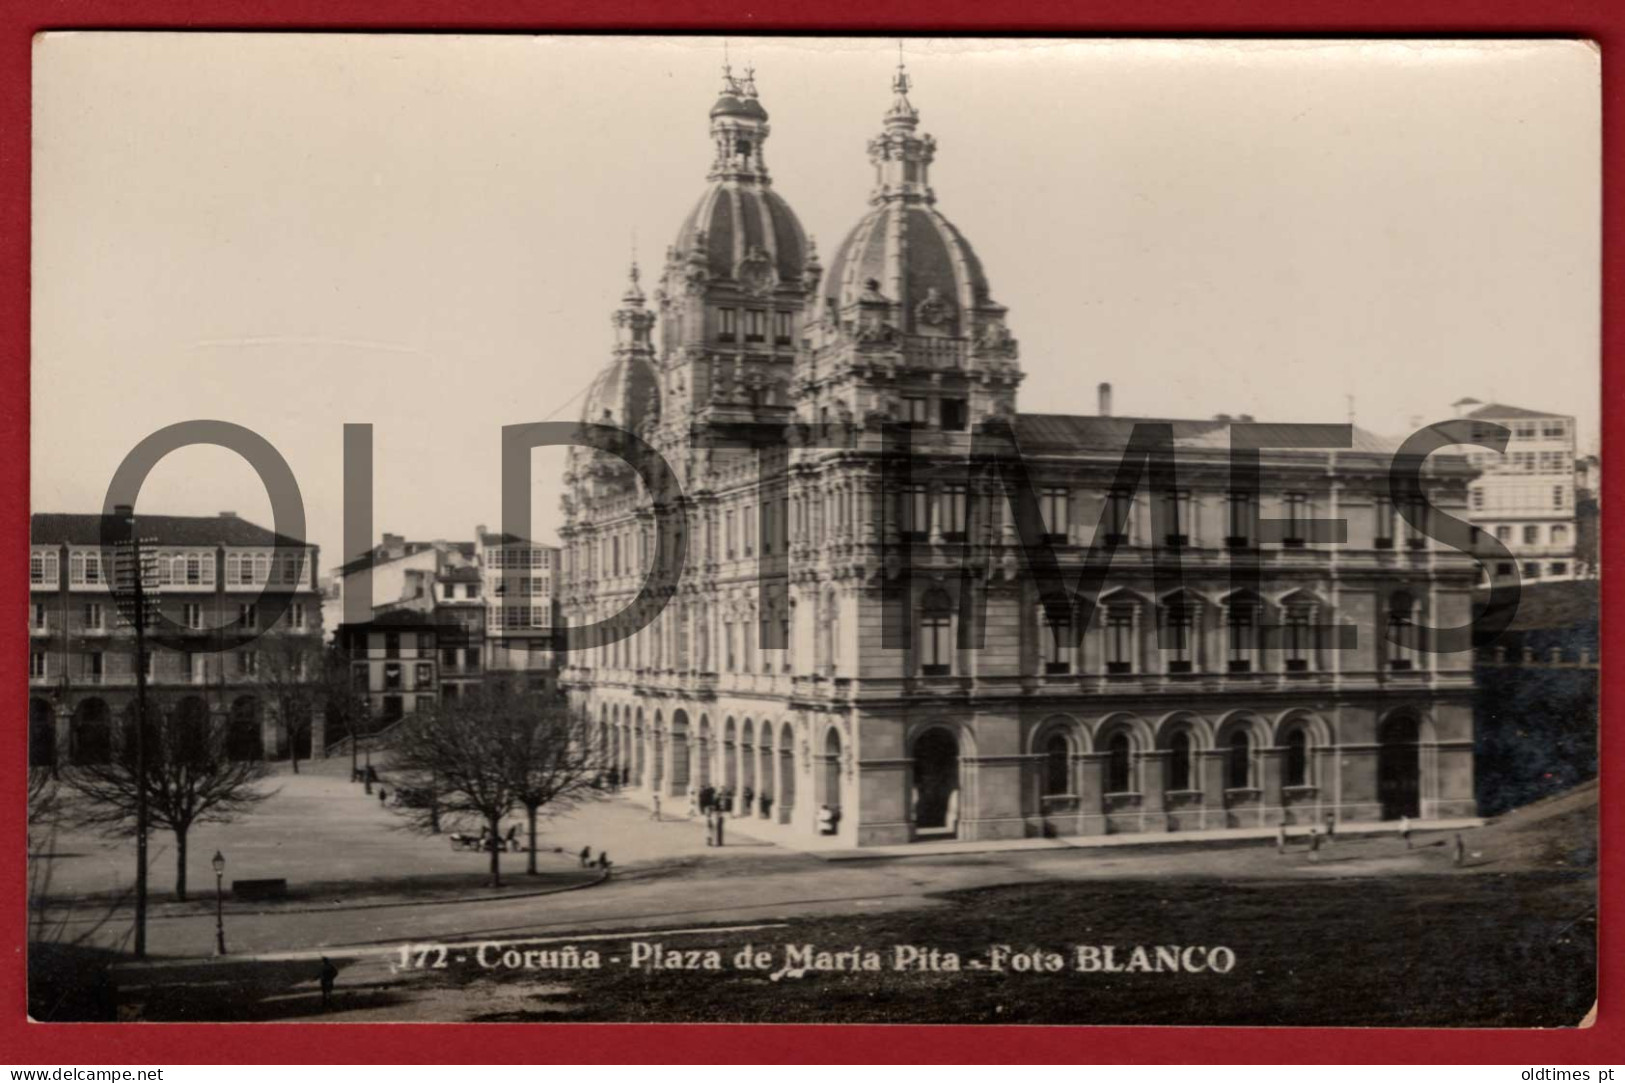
(1461, 850)
(1331, 827)
(329, 972)
(603, 861)
(655, 814)
(382, 793)
(1314, 844)
(1405, 830)
(1280, 839)
(513, 837)
(586, 856)
(722, 823)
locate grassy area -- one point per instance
(1453, 950)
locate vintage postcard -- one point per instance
(813, 530)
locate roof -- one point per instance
(1556, 605)
(937, 263)
(735, 219)
(462, 573)
(73, 528)
(1497, 410)
(410, 549)
(1065, 432)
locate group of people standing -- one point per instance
(1317, 840)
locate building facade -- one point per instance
(1525, 497)
(864, 653)
(520, 579)
(208, 573)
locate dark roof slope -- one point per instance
(1497, 410)
(72, 528)
(1062, 432)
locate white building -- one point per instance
(519, 580)
(1524, 498)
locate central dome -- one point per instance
(914, 257)
(734, 221)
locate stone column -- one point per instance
(1090, 769)
(1272, 765)
(1153, 781)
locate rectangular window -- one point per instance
(38, 666)
(290, 569)
(1531, 535)
(150, 664)
(471, 657)
(1478, 499)
(392, 676)
(43, 569)
(248, 663)
(472, 590)
(1181, 652)
(197, 668)
(1298, 643)
(936, 646)
(916, 410)
(1531, 571)
(248, 616)
(955, 415)
(1119, 503)
(1554, 428)
(40, 622)
(1058, 646)
(94, 618)
(1416, 522)
(1296, 506)
(1241, 509)
(913, 512)
(1559, 568)
(953, 503)
(1176, 508)
(1242, 624)
(1053, 507)
(727, 325)
(192, 615)
(730, 534)
(93, 667)
(1119, 639)
(392, 644)
(1383, 531)
(296, 617)
(423, 675)
(1560, 497)
(781, 329)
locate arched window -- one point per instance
(1297, 758)
(1117, 765)
(1239, 763)
(1057, 766)
(1179, 762)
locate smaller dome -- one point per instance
(730, 106)
(623, 394)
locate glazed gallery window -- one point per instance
(1052, 505)
(1241, 622)
(85, 569)
(1119, 639)
(42, 569)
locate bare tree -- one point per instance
(495, 749)
(291, 672)
(189, 780)
(552, 758)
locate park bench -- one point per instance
(253, 890)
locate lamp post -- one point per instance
(219, 864)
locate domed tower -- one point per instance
(736, 281)
(904, 326)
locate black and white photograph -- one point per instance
(930, 530)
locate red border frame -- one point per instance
(449, 1043)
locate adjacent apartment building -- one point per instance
(1525, 497)
(208, 573)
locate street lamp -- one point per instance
(219, 864)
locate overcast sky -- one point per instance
(428, 233)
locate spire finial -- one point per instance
(730, 85)
(900, 82)
(749, 85)
(902, 111)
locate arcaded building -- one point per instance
(870, 651)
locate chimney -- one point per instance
(123, 511)
(1105, 400)
(393, 545)
(228, 515)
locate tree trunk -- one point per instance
(496, 852)
(180, 864)
(530, 814)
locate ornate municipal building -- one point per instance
(1196, 706)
